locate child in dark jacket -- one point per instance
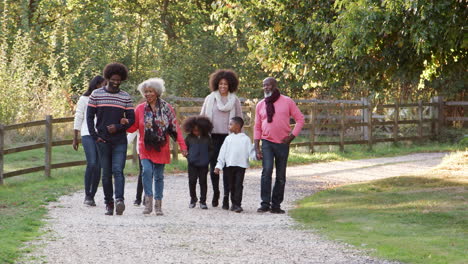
(200, 149)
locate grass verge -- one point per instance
(22, 208)
(414, 219)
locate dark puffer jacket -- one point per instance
(200, 150)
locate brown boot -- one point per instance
(157, 207)
(148, 205)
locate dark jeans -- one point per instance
(197, 173)
(112, 158)
(235, 178)
(139, 190)
(278, 154)
(218, 140)
(93, 169)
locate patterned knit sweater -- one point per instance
(109, 108)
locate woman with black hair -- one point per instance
(109, 105)
(93, 170)
(220, 106)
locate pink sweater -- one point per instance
(280, 128)
(162, 157)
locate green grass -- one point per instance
(410, 219)
(22, 198)
(22, 207)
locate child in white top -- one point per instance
(234, 158)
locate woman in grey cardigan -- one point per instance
(220, 106)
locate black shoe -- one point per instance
(192, 205)
(137, 202)
(277, 211)
(89, 202)
(238, 209)
(225, 203)
(233, 207)
(203, 206)
(110, 209)
(120, 207)
(215, 202)
(263, 209)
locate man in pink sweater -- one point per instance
(272, 127)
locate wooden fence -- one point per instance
(315, 112)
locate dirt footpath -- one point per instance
(80, 234)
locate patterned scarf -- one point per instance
(158, 123)
(270, 108)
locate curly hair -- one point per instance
(115, 68)
(93, 84)
(203, 123)
(157, 84)
(229, 75)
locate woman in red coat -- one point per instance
(155, 121)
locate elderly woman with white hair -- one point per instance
(155, 121)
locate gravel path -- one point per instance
(80, 234)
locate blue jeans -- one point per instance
(153, 172)
(112, 158)
(276, 153)
(93, 169)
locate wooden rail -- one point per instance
(339, 119)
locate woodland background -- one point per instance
(385, 50)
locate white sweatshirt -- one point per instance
(131, 137)
(235, 151)
(79, 122)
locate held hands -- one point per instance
(288, 139)
(216, 171)
(184, 153)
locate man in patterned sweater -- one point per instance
(110, 104)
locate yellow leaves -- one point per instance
(278, 27)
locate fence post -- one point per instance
(369, 126)
(440, 114)
(48, 146)
(2, 141)
(175, 148)
(252, 121)
(395, 122)
(420, 119)
(342, 126)
(312, 127)
(365, 118)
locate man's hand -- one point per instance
(100, 140)
(124, 121)
(184, 153)
(258, 154)
(216, 171)
(111, 129)
(288, 139)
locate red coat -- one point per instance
(160, 157)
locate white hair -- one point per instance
(157, 84)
